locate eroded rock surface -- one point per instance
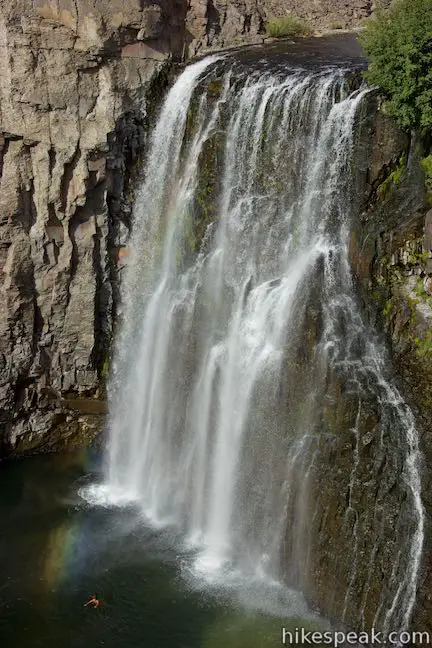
(391, 252)
(73, 84)
(222, 23)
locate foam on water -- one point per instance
(107, 496)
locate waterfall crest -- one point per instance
(238, 305)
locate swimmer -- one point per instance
(93, 601)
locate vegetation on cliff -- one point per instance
(287, 26)
(426, 165)
(399, 46)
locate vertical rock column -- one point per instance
(73, 81)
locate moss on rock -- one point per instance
(394, 178)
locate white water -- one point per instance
(208, 431)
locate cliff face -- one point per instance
(391, 253)
(222, 23)
(73, 84)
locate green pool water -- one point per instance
(56, 550)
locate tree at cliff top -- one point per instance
(399, 46)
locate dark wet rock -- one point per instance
(391, 257)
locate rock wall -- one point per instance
(391, 253)
(221, 23)
(74, 76)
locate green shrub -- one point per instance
(398, 43)
(427, 166)
(287, 26)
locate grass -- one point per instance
(287, 26)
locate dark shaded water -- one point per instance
(55, 550)
(333, 49)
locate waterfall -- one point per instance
(238, 306)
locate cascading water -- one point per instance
(238, 302)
